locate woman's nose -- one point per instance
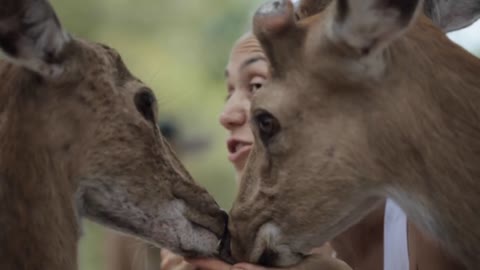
(234, 113)
(231, 118)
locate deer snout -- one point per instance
(201, 210)
(270, 250)
(199, 232)
(213, 222)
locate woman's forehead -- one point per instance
(243, 62)
(246, 45)
(246, 51)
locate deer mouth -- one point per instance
(224, 252)
(269, 249)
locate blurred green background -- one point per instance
(179, 48)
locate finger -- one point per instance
(171, 263)
(247, 266)
(320, 261)
(209, 264)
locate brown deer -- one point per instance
(368, 99)
(79, 138)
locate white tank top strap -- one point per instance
(395, 239)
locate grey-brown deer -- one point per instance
(368, 99)
(79, 138)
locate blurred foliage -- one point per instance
(179, 48)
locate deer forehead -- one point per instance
(279, 100)
(97, 68)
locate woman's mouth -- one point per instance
(238, 149)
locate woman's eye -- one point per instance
(255, 86)
(256, 83)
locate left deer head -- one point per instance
(79, 127)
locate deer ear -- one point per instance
(452, 15)
(368, 25)
(31, 35)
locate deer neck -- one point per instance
(39, 223)
(359, 245)
(438, 180)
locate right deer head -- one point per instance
(78, 128)
(355, 111)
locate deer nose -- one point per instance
(268, 258)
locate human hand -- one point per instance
(171, 261)
(312, 262)
(210, 264)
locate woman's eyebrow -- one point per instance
(246, 63)
(251, 61)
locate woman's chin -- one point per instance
(239, 165)
(239, 159)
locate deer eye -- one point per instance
(268, 126)
(145, 102)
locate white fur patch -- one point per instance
(172, 222)
(163, 224)
(269, 237)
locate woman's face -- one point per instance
(246, 72)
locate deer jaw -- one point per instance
(351, 116)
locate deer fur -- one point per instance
(368, 99)
(79, 138)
